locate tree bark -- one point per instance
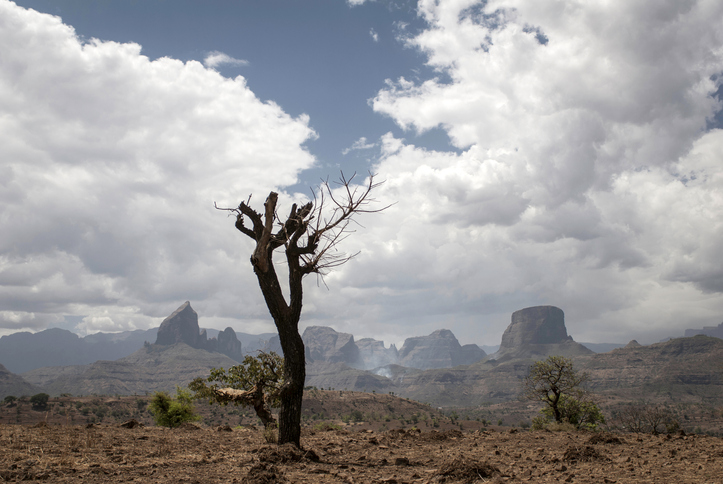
(286, 318)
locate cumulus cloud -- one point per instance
(586, 179)
(360, 144)
(216, 58)
(587, 176)
(110, 168)
(374, 35)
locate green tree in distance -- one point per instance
(551, 379)
(256, 382)
(39, 401)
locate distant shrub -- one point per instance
(172, 412)
(10, 400)
(641, 418)
(326, 426)
(39, 401)
(576, 414)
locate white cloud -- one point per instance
(374, 35)
(586, 179)
(360, 144)
(110, 165)
(216, 58)
(356, 3)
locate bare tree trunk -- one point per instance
(308, 250)
(286, 318)
(292, 393)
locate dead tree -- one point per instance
(309, 236)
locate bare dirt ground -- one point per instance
(110, 453)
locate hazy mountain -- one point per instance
(21, 352)
(15, 385)
(152, 368)
(715, 331)
(602, 347)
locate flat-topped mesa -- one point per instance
(538, 332)
(536, 325)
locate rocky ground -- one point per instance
(101, 454)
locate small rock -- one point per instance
(401, 461)
(131, 424)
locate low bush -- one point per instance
(172, 412)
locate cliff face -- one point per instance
(538, 332)
(182, 327)
(325, 344)
(437, 350)
(374, 354)
(15, 385)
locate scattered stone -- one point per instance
(585, 453)
(131, 424)
(264, 473)
(466, 470)
(287, 453)
(190, 426)
(604, 438)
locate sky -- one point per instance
(537, 152)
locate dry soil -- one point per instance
(103, 454)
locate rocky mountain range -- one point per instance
(441, 349)
(447, 373)
(681, 368)
(24, 351)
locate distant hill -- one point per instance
(680, 366)
(149, 369)
(21, 352)
(602, 347)
(715, 331)
(15, 385)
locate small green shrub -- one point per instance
(172, 412)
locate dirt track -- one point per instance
(113, 454)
